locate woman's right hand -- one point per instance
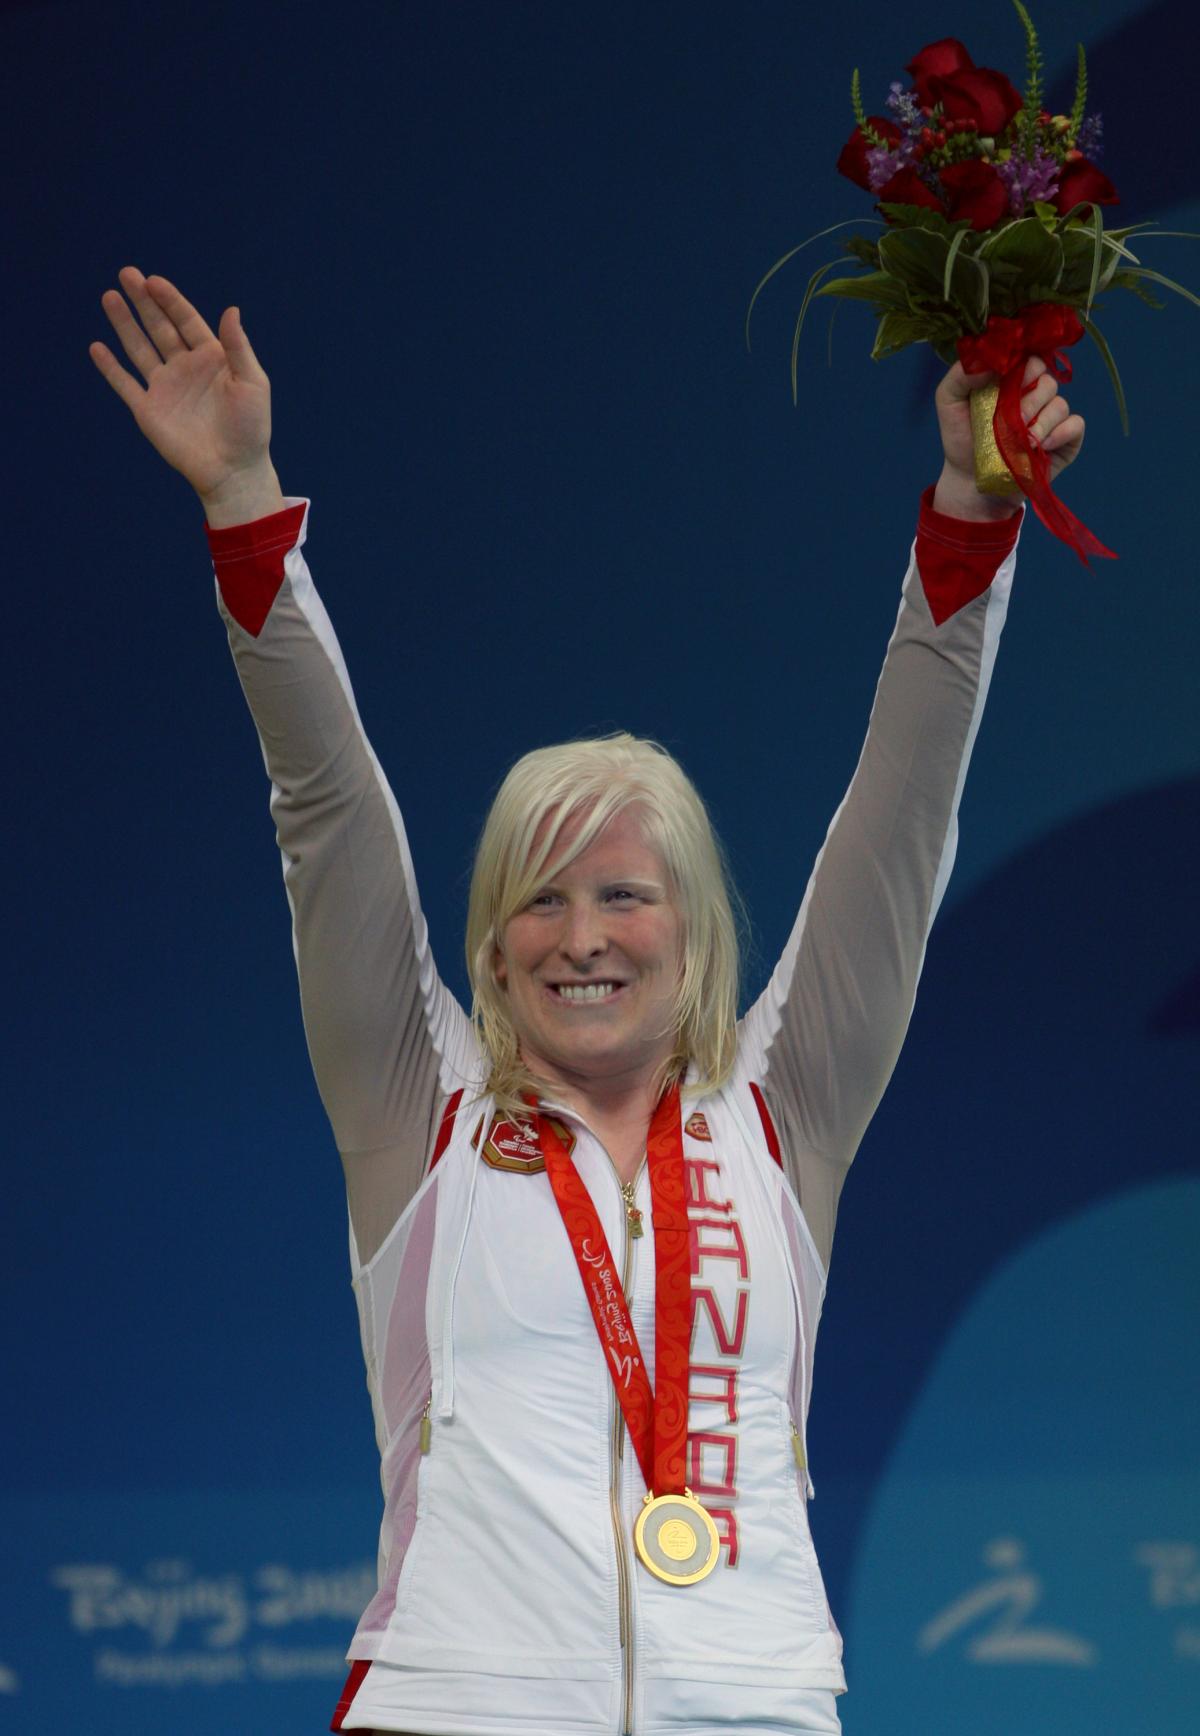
(206, 404)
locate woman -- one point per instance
(602, 1129)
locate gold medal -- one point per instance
(676, 1539)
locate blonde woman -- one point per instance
(590, 1223)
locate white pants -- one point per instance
(816, 1715)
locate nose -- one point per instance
(582, 937)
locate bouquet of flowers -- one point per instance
(994, 246)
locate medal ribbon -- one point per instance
(657, 1421)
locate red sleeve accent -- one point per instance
(354, 1680)
(248, 562)
(958, 558)
(447, 1127)
(764, 1115)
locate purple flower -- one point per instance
(1090, 137)
(1029, 178)
(904, 105)
(883, 162)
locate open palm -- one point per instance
(206, 403)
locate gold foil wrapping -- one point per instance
(992, 475)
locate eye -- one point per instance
(622, 895)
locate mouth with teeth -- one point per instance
(585, 994)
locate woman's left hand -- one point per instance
(1050, 419)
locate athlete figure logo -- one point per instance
(1012, 1598)
(624, 1366)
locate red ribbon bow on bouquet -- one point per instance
(1003, 348)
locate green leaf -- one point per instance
(1119, 247)
(1093, 226)
(1080, 102)
(896, 330)
(951, 256)
(877, 287)
(791, 255)
(861, 248)
(1033, 75)
(1142, 271)
(1129, 280)
(965, 282)
(1098, 239)
(1047, 214)
(1078, 247)
(923, 217)
(1093, 331)
(813, 281)
(860, 114)
(1024, 251)
(1079, 253)
(917, 257)
(1129, 229)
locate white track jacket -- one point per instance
(509, 1599)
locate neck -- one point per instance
(617, 1108)
(606, 1099)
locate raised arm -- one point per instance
(824, 1036)
(388, 1042)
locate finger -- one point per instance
(1047, 419)
(1068, 435)
(191, 326)
(1043, 393)
(1034, 367)
(134, 342)
(243, 363)
(958, 385)
(121, 381)
(161, 327)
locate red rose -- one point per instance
(975, 190)
(1084, 181)
(987, 99)
(939, 60)
(907, 188)
(853, 160)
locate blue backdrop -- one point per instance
(496, 259)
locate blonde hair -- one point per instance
(593, 781)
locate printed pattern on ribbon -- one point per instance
(657, 1421)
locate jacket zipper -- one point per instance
(633, 1229)
(426, 1437)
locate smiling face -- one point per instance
(591, 964)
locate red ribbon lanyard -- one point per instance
(1003, 348)
(657, 1422)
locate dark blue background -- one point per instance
(496, 260)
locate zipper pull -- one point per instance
(426, 1426)
(636, 1227)
(798, 1450)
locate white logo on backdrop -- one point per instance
(1174, 1573)
(168, 1602)
(1175, 1584)
(1009, 1601)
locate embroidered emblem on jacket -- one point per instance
(514, 1146)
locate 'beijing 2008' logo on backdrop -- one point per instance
(514, 1146)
